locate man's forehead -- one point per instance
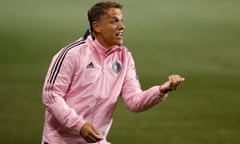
(114, 13)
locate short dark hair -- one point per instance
(99, 9)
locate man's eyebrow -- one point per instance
(115, 17)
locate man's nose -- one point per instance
(121, 25)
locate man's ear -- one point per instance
(96, 26)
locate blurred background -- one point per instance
(199, 39)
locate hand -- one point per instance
(89, 133)
(172, 84)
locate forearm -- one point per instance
(143, 100)
(65, 115)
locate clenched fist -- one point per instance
(172, 84)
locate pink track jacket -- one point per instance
(83, 84)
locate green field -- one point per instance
(199, 39)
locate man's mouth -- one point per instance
(119, 35)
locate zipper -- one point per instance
(100, 91)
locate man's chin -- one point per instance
(120, 43)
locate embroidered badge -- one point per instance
(116, 67)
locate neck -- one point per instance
(102, 42)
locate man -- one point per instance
(86, 78)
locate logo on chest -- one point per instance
(116, 67)
(90, 66)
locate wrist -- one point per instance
(164, 90)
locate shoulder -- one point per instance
(71, 51)
(75, 48)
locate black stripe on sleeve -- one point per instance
(58, 62)
(59, 57)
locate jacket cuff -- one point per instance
(162, 95)
(79, 126)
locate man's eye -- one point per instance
(114, 21)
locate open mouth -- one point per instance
(119, 35)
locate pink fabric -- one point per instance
(83, 84)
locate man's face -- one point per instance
(111, 28)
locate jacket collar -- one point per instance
(101, 49)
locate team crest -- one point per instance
(116, 67)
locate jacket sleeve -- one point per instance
(56, 85)
(135, 99)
